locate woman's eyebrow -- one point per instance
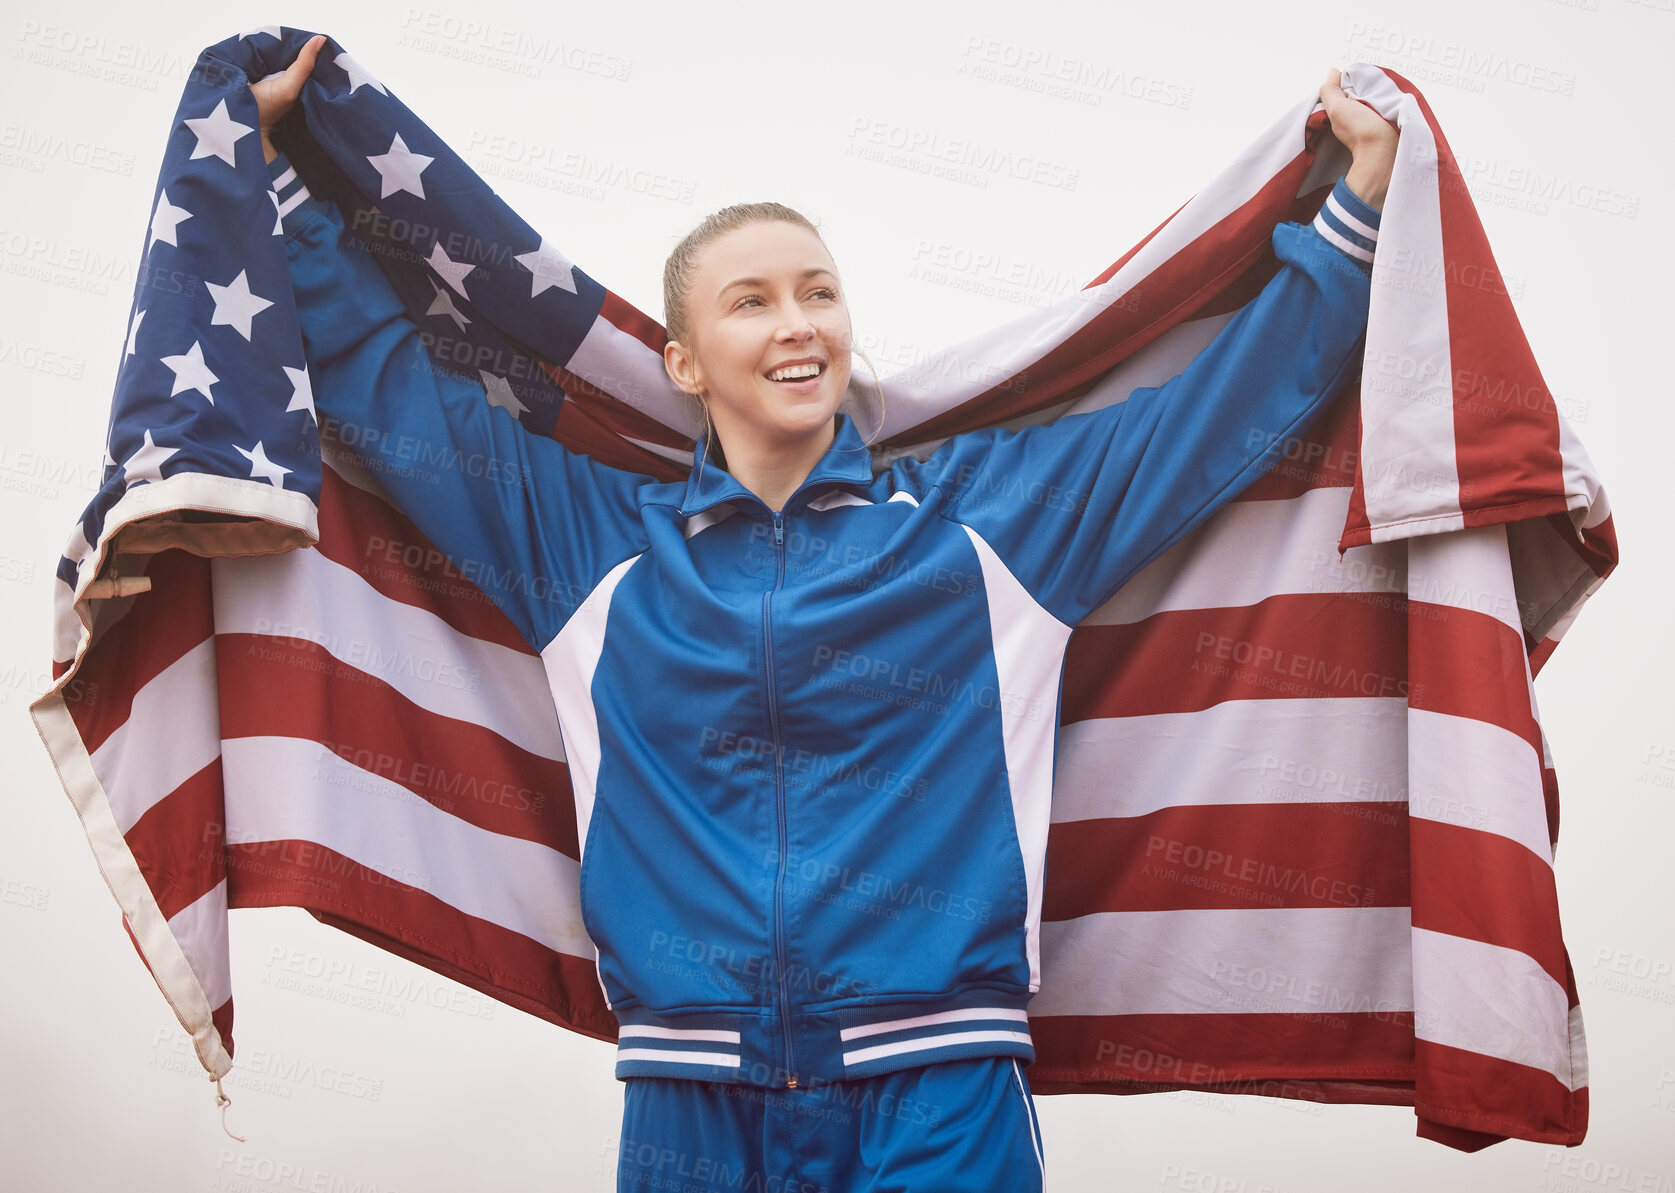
(807, 273)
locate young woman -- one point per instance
(813, 765)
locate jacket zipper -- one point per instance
(779, 797)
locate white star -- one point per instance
(500, 393)
(271, 30)
(133, 330)
(400, 168)
(235, 305)
(453, 272)
(146, 464)
(359, 76)
(217, 133)
(278, 220)
(262, 467)
(109, 460)
(302, 391)
(443, 304)
(190, 372)
(550, 267)
(165, 219)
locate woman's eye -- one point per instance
(829, 293)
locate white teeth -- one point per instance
(796, 371)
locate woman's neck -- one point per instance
(774, 470)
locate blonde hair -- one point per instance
(678, 271)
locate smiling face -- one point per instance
(762, 296)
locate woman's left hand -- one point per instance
(1369, 137)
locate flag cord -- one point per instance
(223, 1101)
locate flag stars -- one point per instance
(235, 306)
(133, 330)
(262, 468)
(499, 391)
(451, 271)
(399, 169)
(302, 391)
(278, 216)
(217, 133)
(359, 76)
(550, 267)
(443, 304)
(146, 464)
(165, 220)
(190, 372)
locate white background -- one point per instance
(1546, 102)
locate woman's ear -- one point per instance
(678, 364)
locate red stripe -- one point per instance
(222, 1019)
(381, 545)
(414, 924)
(160, 626)
(1094, 1053)
(1485, 1094)
(1230, 856)
(1484, 887)
(1469, 664)
(296, 688)
(1289, 646)
(177, 842)
(1506, 428)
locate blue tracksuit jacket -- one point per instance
(812, 748)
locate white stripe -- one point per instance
(176, 706)
(1494, 1001)
(698, 523)
(1477, 775)
(715, 1036)
(286, 206)
(728, 1059)
(201, 929)
(1352, 222)
(305, 595)
(290, 789)
(1468, 569)
(285, 179)
(836, 499)
(1408, 465)
(1252, 550)
(680, 455)
(933, 1043)
(1029, 659)
(570, 660)
(1239, 752)
(1578, 1050)
(1029, 1117)
(624, 367)
(1333, 237)
(1291, 960)
(963, 1015)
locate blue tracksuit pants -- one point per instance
(964, 1126)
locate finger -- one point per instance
(297, 73)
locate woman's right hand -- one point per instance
(275, 95)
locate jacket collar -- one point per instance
(847, 461)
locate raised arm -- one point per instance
(533, 524)
(1076, 506)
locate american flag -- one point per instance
(1304, 814)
